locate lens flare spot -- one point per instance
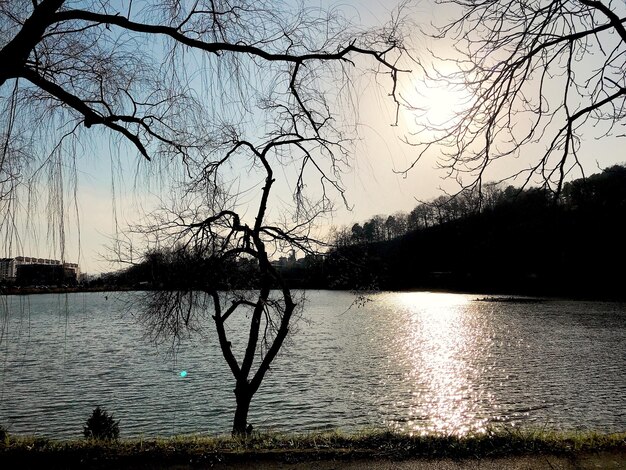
(183, 373)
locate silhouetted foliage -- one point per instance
(180, 267)
(522, 241)
(101, 425)
(48, 275)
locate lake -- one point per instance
(412, 361)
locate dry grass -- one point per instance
(32, 451)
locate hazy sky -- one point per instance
(372, 186)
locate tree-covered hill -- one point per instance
(525, 241)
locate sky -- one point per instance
(111, 193)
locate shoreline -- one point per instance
(63, 290)
(481, 295)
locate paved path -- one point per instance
(610, 461)
(603, 460)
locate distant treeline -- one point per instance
(506, 239)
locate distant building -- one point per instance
(26, 270)
(8, 269)
(73, 269)
(286, 262)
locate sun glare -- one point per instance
(436, 103)
(440, 303)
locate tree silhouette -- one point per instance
(84, 61)
(543, 72)
(215, 92)
(175, 80)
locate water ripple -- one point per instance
(417, 362)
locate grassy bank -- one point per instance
(197, 450)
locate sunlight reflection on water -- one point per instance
(440, 346)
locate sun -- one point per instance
(436, 103)
(442, 105)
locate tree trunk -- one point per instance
(240, 423)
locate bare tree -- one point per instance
(208, 223)
(138, 74)
(218, 236)
(84, 61)
(228, 91)
(536, 76)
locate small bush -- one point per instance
(4, 435)
(101, 425)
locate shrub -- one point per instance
(4, 434)
(101, 425)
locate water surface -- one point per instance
(417, 362)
